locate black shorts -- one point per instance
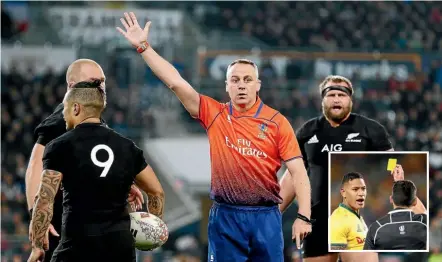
(316, 243)
(116, 246)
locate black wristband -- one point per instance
(305, 219)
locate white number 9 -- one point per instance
(107, 165)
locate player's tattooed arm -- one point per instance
(44, 206)
(338, 246)
(155, 205)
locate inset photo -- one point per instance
(378, 201)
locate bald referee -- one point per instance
(403, 228)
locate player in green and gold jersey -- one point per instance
(347, 227)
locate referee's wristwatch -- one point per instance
(143, 46)
(305, 219)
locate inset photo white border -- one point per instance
(385, 153)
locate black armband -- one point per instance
(305, 219)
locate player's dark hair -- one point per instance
(404, 193)
(350, 176)
(96, 83)
(90, 94)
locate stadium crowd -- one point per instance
(399, 25)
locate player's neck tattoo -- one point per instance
(44, 206)
(155, 205)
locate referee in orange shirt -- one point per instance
(248, 142)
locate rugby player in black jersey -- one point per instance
(51, 128)
(337, 129)
(97, 167)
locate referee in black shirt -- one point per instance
(400, 229)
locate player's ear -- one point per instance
(391, 199)
(70, 85)
(76, 108)
(342, 192)
(227, 87)
(258, 85)
(414, 202)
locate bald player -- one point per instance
(248, 141)
(49, 129)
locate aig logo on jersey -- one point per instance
(351, 138)
(332, 148)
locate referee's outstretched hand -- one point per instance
(300, 230)
(133, 33)
(398, 173)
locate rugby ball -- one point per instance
(148, 231)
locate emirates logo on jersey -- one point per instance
(244, 147)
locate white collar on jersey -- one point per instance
(400, 210)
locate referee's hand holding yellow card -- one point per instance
(396, 170)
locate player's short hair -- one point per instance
(336, 79)
(90, 94)
(245, 62)
(404, 193)
(351, 176)
(74, 68)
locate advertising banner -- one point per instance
(369, 66)
(37, 57)
(93, 26)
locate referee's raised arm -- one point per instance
(137, 36)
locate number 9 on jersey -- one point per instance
(108, 163)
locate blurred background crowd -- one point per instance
(388, 49)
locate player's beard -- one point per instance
(336, 117)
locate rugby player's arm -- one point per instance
(33, 174)
(44, 206)
(165, 71)
(147, 181)
(338, 233)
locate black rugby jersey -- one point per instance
(317, 137)
(98, 166)
(400, 229)
(50, 128)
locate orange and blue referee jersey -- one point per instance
(246, 151)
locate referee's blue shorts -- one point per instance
(245, 233)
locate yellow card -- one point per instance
(391, 164)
